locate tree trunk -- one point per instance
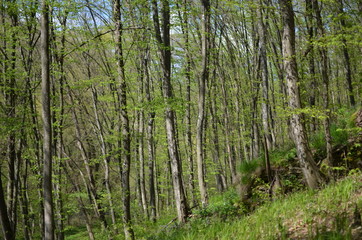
(4, 217)
(125, 158)
(263, 69)
(311, 56)
(219, 176)
(142, 159)
(347, 60)
(310, 170)
(189, 144)
(200, 142)
(325, 79)
(150, 141)
(106, 158)
(47, 128)
(81, 203)
(91, 184)
(171, 127)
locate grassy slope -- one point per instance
(325, 214)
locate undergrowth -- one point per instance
(303, 215)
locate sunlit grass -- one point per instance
(302, 213)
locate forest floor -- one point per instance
(331, 213)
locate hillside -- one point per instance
(331, 213)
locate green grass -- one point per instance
(324, 214)
(278, 158)
(307, 214)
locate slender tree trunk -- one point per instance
(171, 127)
(141, 135)
(150, 140)
(264, 75)
(4, 217)
(200, 142)
(24, 201)
(91, 184)
(142, 160)
(10, 106)
(47, 128)
(255, 137)
(106, 158)
(220, 177)
(312, 73)
(58, 134)
(189, 145)
(310, 170)
(228, 134)
(325, 79)
(82, 205)
(346, 56)
(126, 136)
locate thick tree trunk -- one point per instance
(47, 128)
(310, 170)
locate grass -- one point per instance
(278, 158)
(306, 215)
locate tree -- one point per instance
(346, 55)
(4, 218)
(325, 79)
(126, 137)
(201, 100)
(47, 126)
(167, 92)
(310, 170)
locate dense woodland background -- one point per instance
(115, 113)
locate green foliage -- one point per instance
(339, 137)
(283, 157)
(260, 192)
(222, 206)
(247, 167)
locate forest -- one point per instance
(165, 119)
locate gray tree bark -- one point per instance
(325, 79)
(47, 127)
(170, 121)
(310, 170)
(4, 217)
(200, 142)
(346, 56)
(125, 158)
(263, 70)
